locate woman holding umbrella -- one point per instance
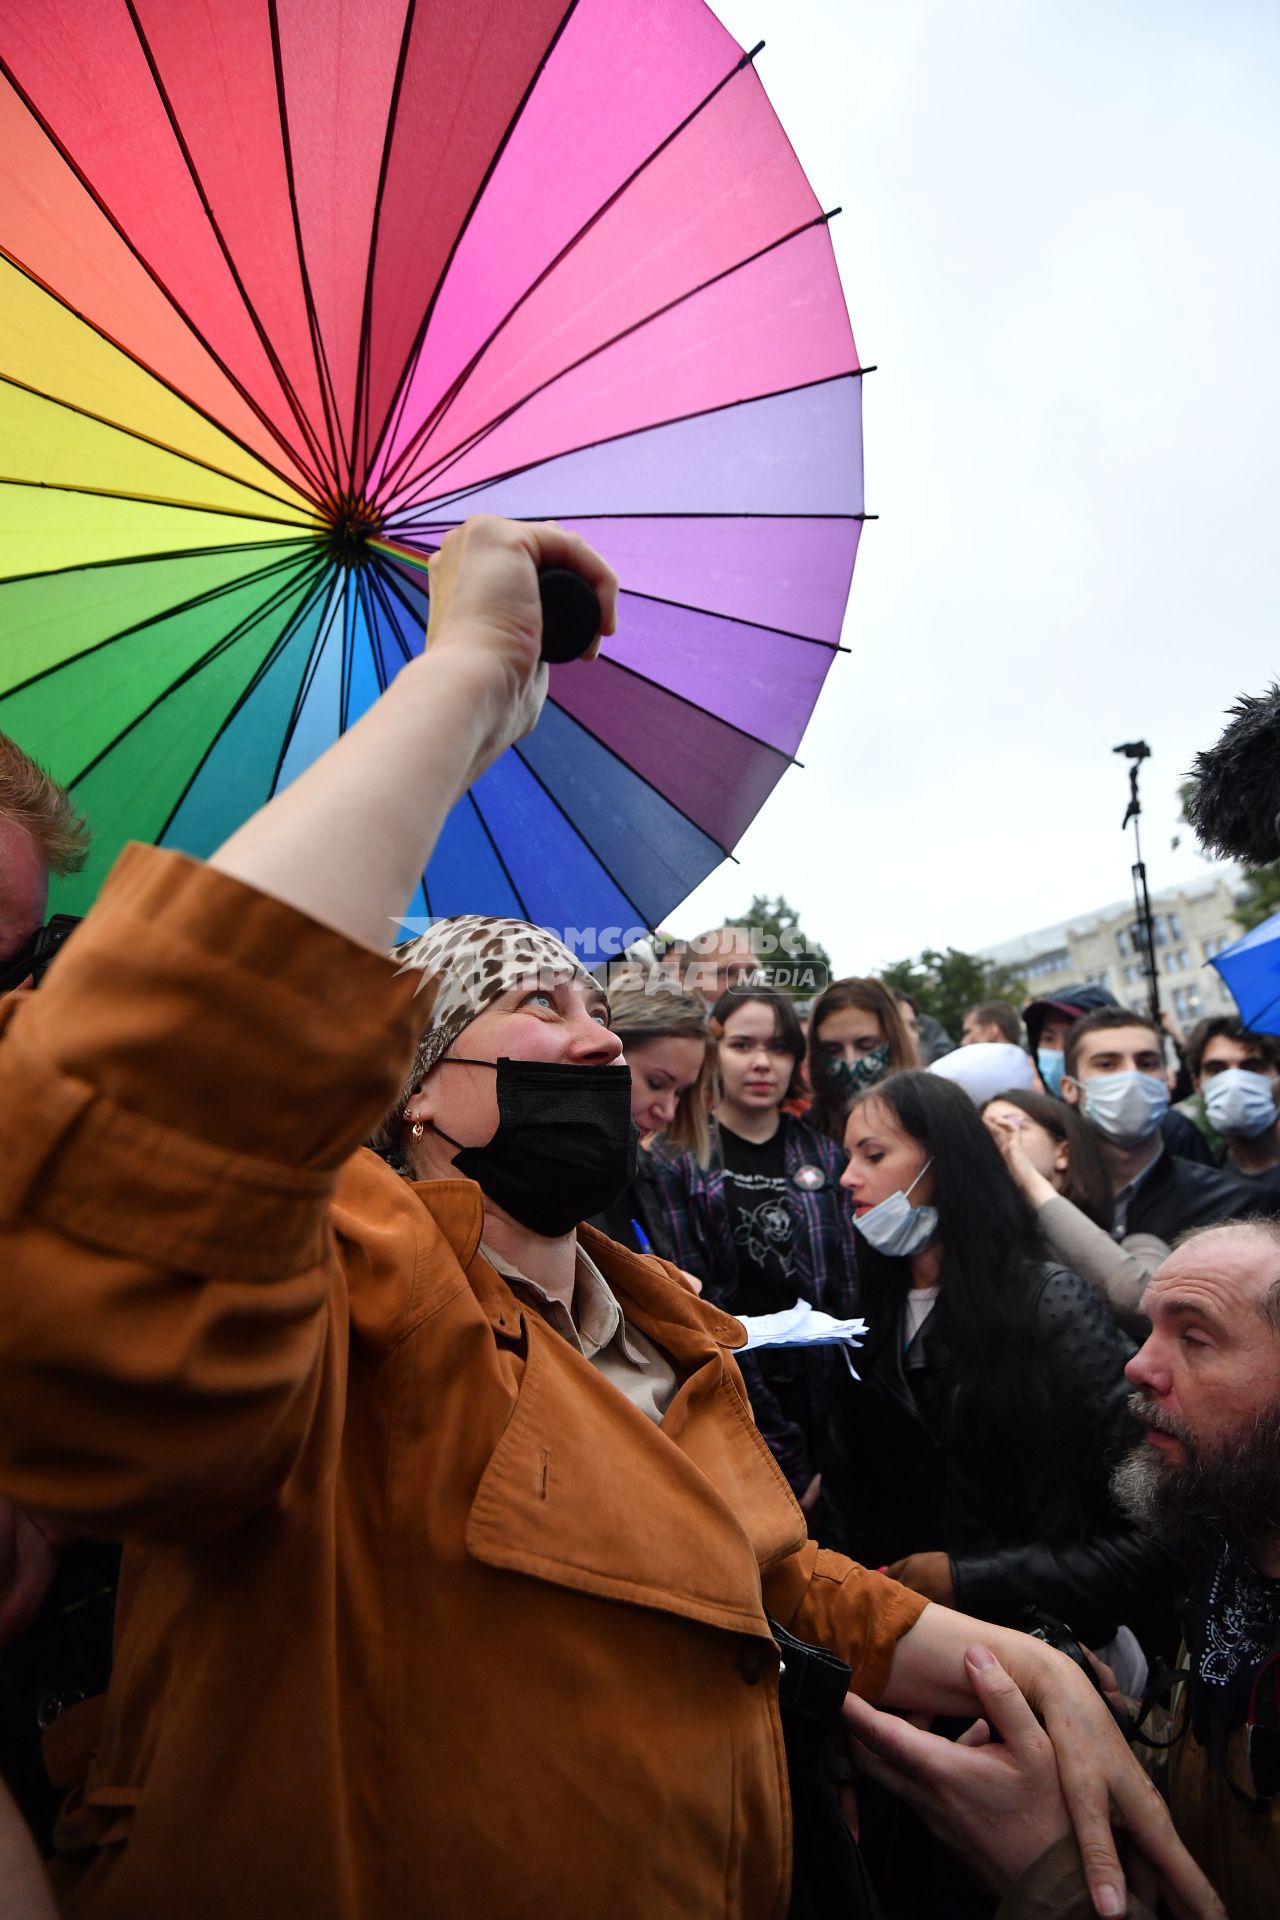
(423, 1611)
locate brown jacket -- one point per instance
(420, 1618)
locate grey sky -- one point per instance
(1059, 244)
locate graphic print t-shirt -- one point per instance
(756, 1187)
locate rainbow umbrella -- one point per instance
(290, 287)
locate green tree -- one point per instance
(948, 984)
(1261, 896)
(803, 965)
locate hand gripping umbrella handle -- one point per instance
(570, 614)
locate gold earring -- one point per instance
(416, 1129)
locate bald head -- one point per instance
(1208, 1393)
(1240, 1260)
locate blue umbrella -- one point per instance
(1251, 969)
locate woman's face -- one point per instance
(755, 1065)
(661, 1070)
(565, 1023)
(882, 1158)
(849, 1035)
(1049, 1156)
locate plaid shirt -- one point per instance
(697, 1228)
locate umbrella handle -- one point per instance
(570, 614)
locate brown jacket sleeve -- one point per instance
(175, 1103)
(833, 1602)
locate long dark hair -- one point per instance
(991, 1247)
(1086, 1184)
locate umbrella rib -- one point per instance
(687, 513)
(136, 559)
(391, 425)
(197, 666)
(277, 366)
(166, 613)
(322, 365)
(381, 590)
(157, 282)
(738, 620)
(576, 830)
(263, 669)
(153, 500)
(144, 439)
(469, 444)
(308, 677)
(151, 372)
(609, 439)
(359, 425)
(645, 779)
(634, 673)
(521, 902)
(447, 398)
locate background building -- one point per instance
(1192, 923)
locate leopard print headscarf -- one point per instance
(469, 960)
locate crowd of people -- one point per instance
(375, 1343)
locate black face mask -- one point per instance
(565, 1146)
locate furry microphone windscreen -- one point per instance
(1236, 801)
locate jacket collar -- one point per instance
(711, 1508)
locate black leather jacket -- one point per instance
(1041, 1529)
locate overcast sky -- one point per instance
(1060, 247)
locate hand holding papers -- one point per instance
(803, 1326)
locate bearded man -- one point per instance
(1208, 1474)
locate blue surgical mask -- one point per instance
(896, 1228)
(1240, 1102)
(1126, 1107)
(1051, 1061)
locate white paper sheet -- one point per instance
(801, 1326)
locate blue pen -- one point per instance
(641, 1236)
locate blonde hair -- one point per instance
(653, 1006)
(34, 801)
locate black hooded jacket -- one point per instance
(907, 1474)
(1180, 1194)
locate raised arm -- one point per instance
(177, 1100)
(348, 841)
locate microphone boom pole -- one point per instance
(1137, 751)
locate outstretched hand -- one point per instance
(998, 1806)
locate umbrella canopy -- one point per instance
(1250, 968)
(290, 287)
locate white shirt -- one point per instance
(598, 1329)
(919, 1304)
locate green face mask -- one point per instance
(853, 1076)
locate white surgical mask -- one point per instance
(896, 1228)
(1127, 1107)
(1238, 1101)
